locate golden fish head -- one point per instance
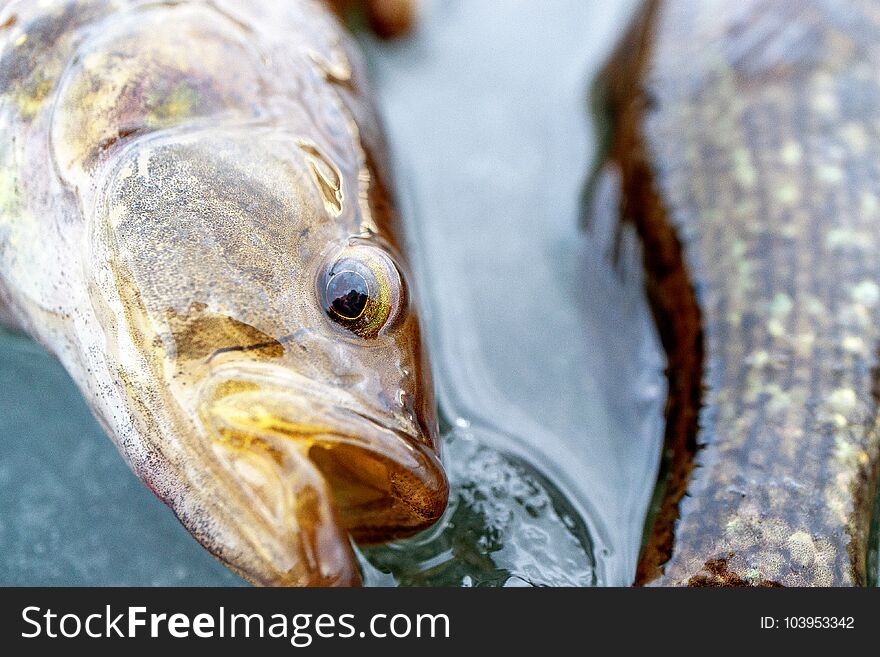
(268, 353)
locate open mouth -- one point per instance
(278, 430)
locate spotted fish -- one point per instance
(195, 217)
(745, 136)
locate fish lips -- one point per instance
(267, 422)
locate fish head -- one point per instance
(275, 390)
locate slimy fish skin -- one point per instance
(746, 137)
(195, 217)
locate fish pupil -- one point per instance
(348, 294)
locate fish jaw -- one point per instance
(294, 537)
(313, 464)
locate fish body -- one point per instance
(746, 138)
(195, 217)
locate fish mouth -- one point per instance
(311, 460)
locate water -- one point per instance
(547, 365)
(506, 526)
(71, 512)
(540, 349)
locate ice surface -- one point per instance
(71, 512)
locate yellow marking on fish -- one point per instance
(855, 345)
(845, 238)
(744, 169)
(781, 305)
(29, 104)
(779, 400)
(825, 103)
(855, 137)
(843, 401)
(791, 153)
(803, 549)
(789, 194)
(828, 173)
(868, 203)
(260, 419)
(866, 293)
(180, 103)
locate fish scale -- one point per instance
(746, 135)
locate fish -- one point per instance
(744, 137)
(387, 19)
(197, 219)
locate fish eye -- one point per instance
(361, 290)
(348, 293)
